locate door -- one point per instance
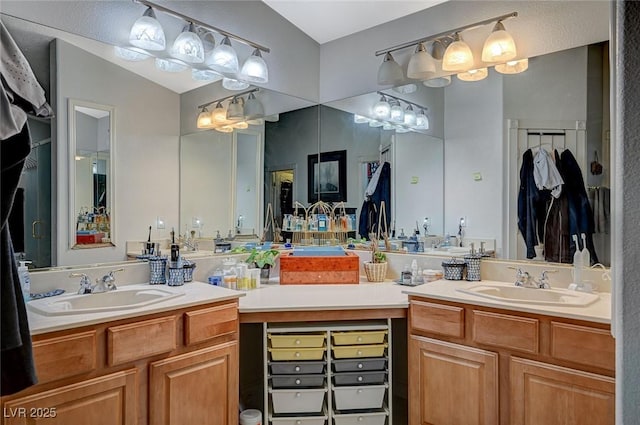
(200, 387)
(107, 400)
(544, 394)
(451, 384)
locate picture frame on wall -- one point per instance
(327, 180)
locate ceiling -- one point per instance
(328, 20)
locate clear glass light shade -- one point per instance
(208, 41)
(422, 121)
(204, 119)
(257, 121)
(474, 74)
(219, 114)
(223, 58)
(499, 46)
(421, 65)
(375, 123)
(400, 129)
(224, 129)
(405, 89)
(458, 56)
(204, 75)
(360, 119)
(255, 69)
(409, 116)
(235, 109)
(132, 54)
(390, 72)
(232, 84)
(396, 114)
(513, 67)
(438, 82)
(382, 109)
(170, 65)
(147, 33)
(253, 107)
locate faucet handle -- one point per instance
(85, 283)
(543, 282)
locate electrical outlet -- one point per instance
(159, 223)
(195, 222)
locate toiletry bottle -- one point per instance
(414, 271)
(175, 251)
(577, 263)
(25, 280)
(586, 255)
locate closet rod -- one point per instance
(546, 133)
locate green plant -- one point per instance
(379, 257)
(262, 258)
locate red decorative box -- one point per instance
(340, 269)
(89, 239)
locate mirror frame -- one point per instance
(71, 172)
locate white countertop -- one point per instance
(275, 297)
(193, 293)
(599, 311)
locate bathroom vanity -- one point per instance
(174, 363)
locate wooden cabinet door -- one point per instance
(545, 394)
(450, 384)
(200, 387)
(108, 400)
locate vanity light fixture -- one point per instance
(204, 75)
(437, 52)
(499, 46)
(224, 58)
(195, 45)
(188, 47)
(422, 121)
(255, 69)
(513, 67)
(132, 54)
(421, 65)
(457, 57)
(474, 74)
(390, 72)
(409, 116)
(397, 114)
(147, 33)
(382, 109)
(238, 114)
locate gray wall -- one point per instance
(626, 231)
(147, 123)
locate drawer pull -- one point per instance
(298, 395)
(297, 354)
(298, 422)
(298, 382)
(297, 342)
(359, 352)
(360, 378)
(359, 391)
(359, 339)
(360, 419)
(360, 365)
(297, 369)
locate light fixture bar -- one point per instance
(202, 24)
(204, 105)
(446, 33)
(402, 100)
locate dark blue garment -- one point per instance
(371, 207)
(580, 212)
(532, 206)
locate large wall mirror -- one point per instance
(91, 179)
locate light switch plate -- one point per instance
(477, 177)
(414, 179)
(159, 223)
(195, 222)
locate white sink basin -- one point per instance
(121, 299)
(515, 294)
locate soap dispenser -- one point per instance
(25, 280)
(577, 262)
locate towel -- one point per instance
(546, 174)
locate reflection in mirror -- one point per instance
(247, 182)
(91, 179)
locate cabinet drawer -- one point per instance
(501, 330)
(359, 337)
(135, 341)
(360, 397)
(437, 318)
(208, 323)
(297, 340)
(68, 355)
(358, 351)
(583, 345)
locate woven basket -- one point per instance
(376, 272)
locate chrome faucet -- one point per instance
(190, 243)
(85, 283)
(106, 283)
(523, 279)
(543, 281)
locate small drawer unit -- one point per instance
(342, 369)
